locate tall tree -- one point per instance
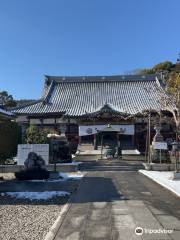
(7, 100)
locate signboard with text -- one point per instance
(159, 145)
(93, 129)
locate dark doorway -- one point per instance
(126, 142)
(109, 139)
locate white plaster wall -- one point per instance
(21, 119)
(35, 121)
(25, 149)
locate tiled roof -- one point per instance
(79, 96)
(5, 113)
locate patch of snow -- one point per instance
(48, 180)
(72, 163)
(74, 176)
(62, 177)
(36, 195)
(37, 180)
(133, 152)
(164, 179)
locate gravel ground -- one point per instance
(27, 220)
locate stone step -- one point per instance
(111, 168)
(111, 164)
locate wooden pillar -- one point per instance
(133, 136)
(79, 140)
(95, 141)
(55, 125)
(42, 123)
(132, 140)
(68, 129)
(95, 136)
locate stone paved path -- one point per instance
(110, 205)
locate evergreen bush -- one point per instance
(10, 137)
(35, 135)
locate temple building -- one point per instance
(5, 115)
(83, 106)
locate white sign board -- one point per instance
(93, 129)
(25, 149)
(159, 145)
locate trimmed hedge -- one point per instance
(10, 137)
(30, 174)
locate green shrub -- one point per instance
(10, 137)
(35, 135)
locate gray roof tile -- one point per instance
(6, 113)
(77, 96)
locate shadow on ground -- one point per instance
(28, 186)
(95, 189)
(136, 186)
(100, 187)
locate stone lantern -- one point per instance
(159, 151)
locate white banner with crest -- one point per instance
(93, 129)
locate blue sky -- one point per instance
(82, 37)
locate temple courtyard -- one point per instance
(111, 202)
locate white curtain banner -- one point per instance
(93, 129)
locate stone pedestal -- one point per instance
(176, 176)
(159, 155)
(158, 137)
(60, 149)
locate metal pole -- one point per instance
(160, 118)
(176, 152)
(178, 160)
(149, 137)
(101, 145)
(55, 166)
(160, 156)
(146, 151)
(177, 124)
(54, 157)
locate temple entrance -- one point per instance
(109, 143)
(109, 139)
(112, 138)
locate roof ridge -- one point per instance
(101, 78)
